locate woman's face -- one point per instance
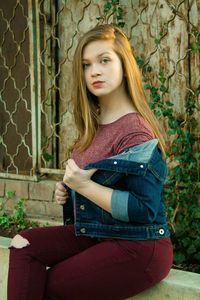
(102, 68)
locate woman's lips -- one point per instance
(97, 83)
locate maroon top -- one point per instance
(111, 139)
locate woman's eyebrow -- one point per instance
(101, 54)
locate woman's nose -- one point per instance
(95, 70)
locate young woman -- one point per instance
(115, 242)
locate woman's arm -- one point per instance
(141, 199)
(139, 202)
(80, 181)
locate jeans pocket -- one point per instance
(131, 249)
(160, 262)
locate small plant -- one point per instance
(10, 224)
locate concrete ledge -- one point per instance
(4, 258)
(178, 285)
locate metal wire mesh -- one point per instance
(15, 102)
(37, 69)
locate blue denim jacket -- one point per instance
(137, 207)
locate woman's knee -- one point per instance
(19, 242)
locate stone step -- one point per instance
(178, 285)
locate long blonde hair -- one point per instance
(86, 104)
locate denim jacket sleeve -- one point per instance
(140, 202)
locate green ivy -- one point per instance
(113, 7)
(182, 187)
(196, 44)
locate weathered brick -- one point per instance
(20, 188)
(35, 208)
(43, 190)
(54, 210)
(2, 188)
(9, 204)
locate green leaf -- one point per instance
(196, 215)
(139, 61)
(120, 10)
(121, 24)
(172, 132)
(107, 6)
(47, 156)
(158, 114)
(197, 155)
(186, 242)
(196, 46)
(10, 193)
(169, 103)
(157, 41)
(162, 88)
(191, 249)
(115, 2)
(195, 31)
(149, 69)
(179, 258)
(197, 257)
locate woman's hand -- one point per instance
(80, 181)
(61, 193)
(75, 178)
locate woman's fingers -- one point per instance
(61, 193)
(60, 187)
(72, 165)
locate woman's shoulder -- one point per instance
(133, 130)
(129, 123)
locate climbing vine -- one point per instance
(182, 188)
(113, 9)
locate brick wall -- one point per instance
(40, 197)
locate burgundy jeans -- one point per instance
(83, 267)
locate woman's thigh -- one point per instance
(53, 244)
(108, 270)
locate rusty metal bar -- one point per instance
(33, 23)
(19, 177)
(52, 171)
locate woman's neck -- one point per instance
(114, 106)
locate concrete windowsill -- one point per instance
(178, 285)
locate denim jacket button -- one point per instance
(82, 207)
(115, 162)
(83, 230)
(161, 231)
(141, 166)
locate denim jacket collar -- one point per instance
(135, 160)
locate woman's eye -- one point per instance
(104, 60)
(85, 66)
